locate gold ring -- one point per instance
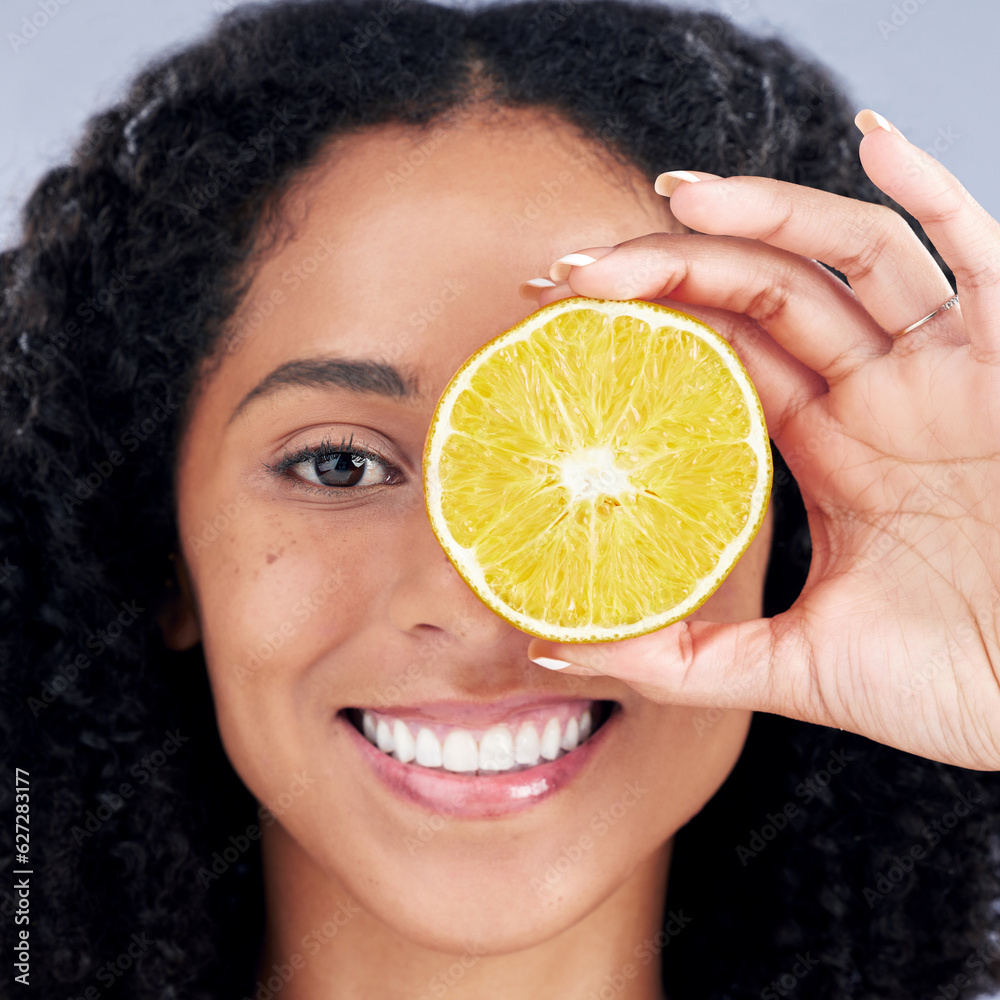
(953, 301)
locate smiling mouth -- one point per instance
(523, 741)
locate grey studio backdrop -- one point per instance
(930, 66)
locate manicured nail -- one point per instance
(550, 664)
(867, 120)
(559, 271)
(666, 183)
(529, 289)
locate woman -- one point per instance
(223, 336)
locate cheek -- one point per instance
(687, 753)
(268, 586)
(276, 598)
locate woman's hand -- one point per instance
(894, 442)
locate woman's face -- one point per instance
(406, 250)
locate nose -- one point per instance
(429, 594)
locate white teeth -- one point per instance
(383, 737)
(428, 748)
(550, 740)
(496, 750)
(571, 737)
(406, 748)
(527, 748)
(460, 752)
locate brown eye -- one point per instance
(344, 468)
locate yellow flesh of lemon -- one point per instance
(596, 472)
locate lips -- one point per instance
(505, 785)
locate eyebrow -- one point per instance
(326, 373)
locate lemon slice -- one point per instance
(595, 472)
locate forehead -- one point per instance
(407, 245)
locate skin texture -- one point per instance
(372, 611)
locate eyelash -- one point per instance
(327, 448)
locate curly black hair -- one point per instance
(827, 866)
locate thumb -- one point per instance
(689, 663)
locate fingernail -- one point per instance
(529, 289)
(867, 120)
(666, 183)
(549, 663)
(559, 271)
